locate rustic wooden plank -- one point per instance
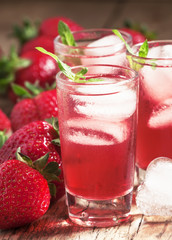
(89, 14)
(56, 225)
(156, 15)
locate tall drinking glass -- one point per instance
(93, 46)
(154, 133)
(97, 122)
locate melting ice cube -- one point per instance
(162, 115)
(154, 196)
(109, 107)
(92, 132)
(157, 82)
(105, 51)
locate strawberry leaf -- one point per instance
(65, 34)
(52, 189)
(41, 162)
(25, 32)
(23, 158)
(51, 167)
(20, 91)
(3, 138)
(8, 67)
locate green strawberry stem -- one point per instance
(3, 138)
(26, 32)
(50, 171)
(8, 67)
(30, 90)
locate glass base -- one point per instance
(99, 213)
(140, 175)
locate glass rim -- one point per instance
(125, 34)
(60, 75)
(155, 59)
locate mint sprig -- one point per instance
(75, 77)
(143, 52)
(66, 34)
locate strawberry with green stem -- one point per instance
(35, 140)
(33, 108)
(25, 188)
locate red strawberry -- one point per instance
(41, 107)
(5, 123)
(35, 140)
(136, 36)
(40, 41)
(43, 69)
(50, 26)
(24, 194)
(24, 190)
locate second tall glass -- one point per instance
(93, 46)
(155, 102)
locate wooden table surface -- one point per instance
(156, 14)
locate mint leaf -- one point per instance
(63, 67)
(65, 34)
(122, 39)
(20, 91)
(78, 77)
(143, 51)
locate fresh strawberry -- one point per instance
(25, 188)
(43, 69)
(40, 41)
(35, 140)
(41, 107)
(5, 123)
(50, 26)
(136, 36)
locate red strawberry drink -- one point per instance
(155, 103)
(97, 123)
(93, 46)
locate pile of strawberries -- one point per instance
(30, 159)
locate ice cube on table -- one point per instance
(162, 115)
(157, 81)
(154, 196)
(105, 50)
(110, 107)
(92, 132)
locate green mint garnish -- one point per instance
(116, 32)
(143, 52)
(65, 34)
(144, 48)
(75, 77)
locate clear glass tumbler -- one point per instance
(93, 46)
(97, 122)
(155, 103)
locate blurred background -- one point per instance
(154, 14)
